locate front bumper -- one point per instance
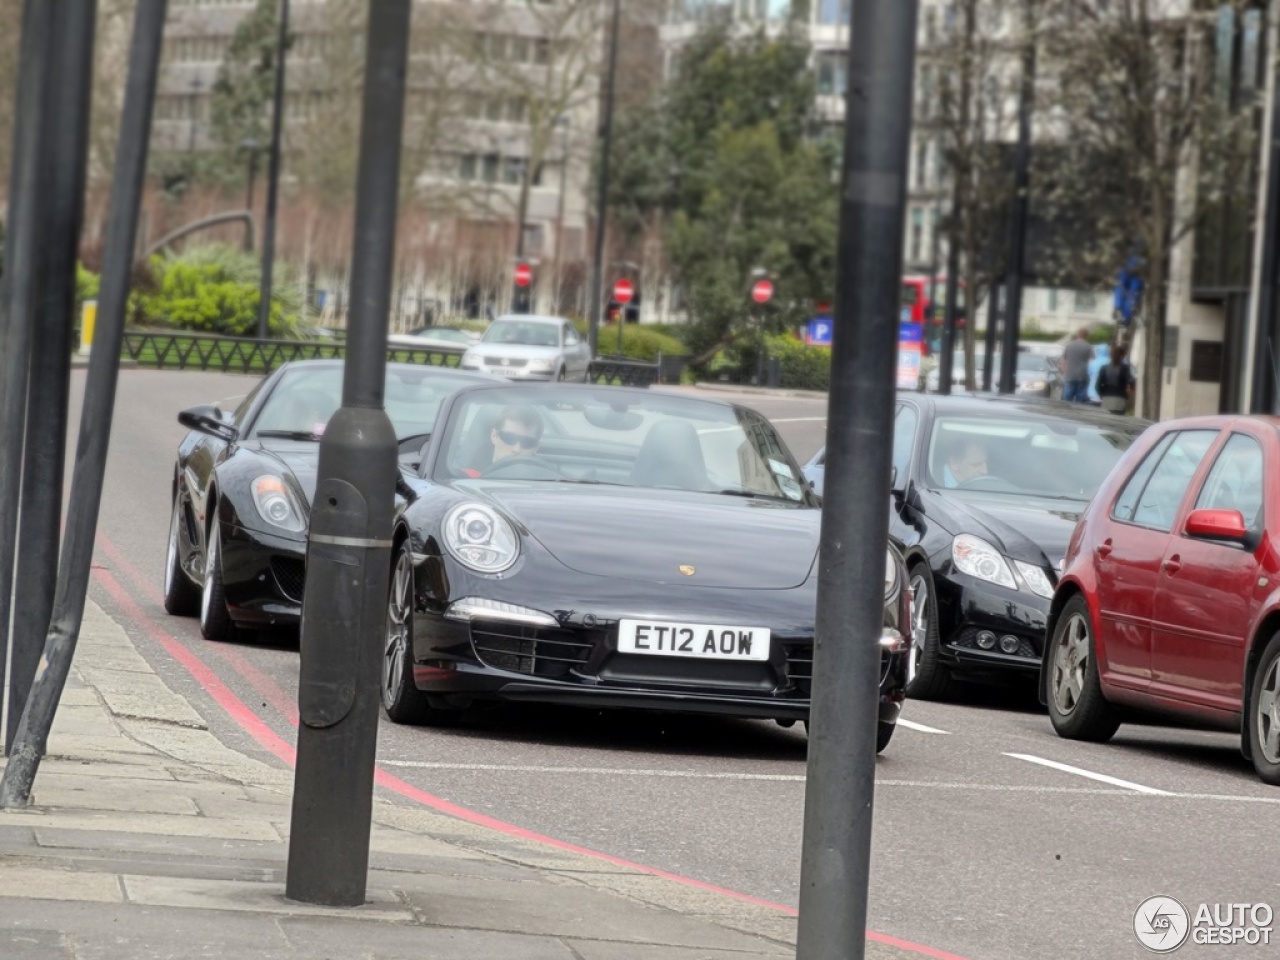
(969, 608)
(578, 663)
(263, 576)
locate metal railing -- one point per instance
(207, 351)
(165, 350)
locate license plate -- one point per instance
(708, 641)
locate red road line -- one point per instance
(257, 728)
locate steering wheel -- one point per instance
(535, 464)
(986, 482)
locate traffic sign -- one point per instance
(524, 274)
(623, 291)
(818, 332)
(762, 292)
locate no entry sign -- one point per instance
(762, 292)
(524, 274)
(623, 291)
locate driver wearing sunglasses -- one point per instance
(517, 434)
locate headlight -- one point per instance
(976, 557)
(479, 538)
(890, 573)
(1031, 386)
(276, 504)
(542, 364)
(470, 360)
(1035, 579)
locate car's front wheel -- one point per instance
(181, 596)
(401, 698)
(928, 678)
(1263, 718)
(215, 619)
(1077, 707)
(884, 733)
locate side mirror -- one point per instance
(208, 419)
(1217, 525)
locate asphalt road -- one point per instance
(994, 839)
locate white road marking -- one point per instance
(1100, 777)
(594, 771)
(797, 419)
(1121, 788)
(920, 727)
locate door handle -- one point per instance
(1173, 565)
(1104, 549)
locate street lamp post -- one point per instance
(196, 86)
(273, 176)
(251, 147)
(563, 123)
(596, 306)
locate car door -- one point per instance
(1132, 546)
(575, 354)
(1208, 589)
(903, 523)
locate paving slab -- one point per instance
(153, 823)
(560, 911)
(610, 950)
(313, 938)
(42, 883)
(117, 797)
(256, 897)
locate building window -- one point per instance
(833, 73)
(512, 169)
(833, 13)
(467, 168)
(489, 168)
(917, 234)
(1086, 301)
(1053, 301)
(922, 164)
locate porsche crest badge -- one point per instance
(687, 570)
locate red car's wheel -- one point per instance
(1077, 707)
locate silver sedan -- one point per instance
(530, 347)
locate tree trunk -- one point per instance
(1153, 337)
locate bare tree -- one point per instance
(1151, 140)
(973, 62)
(10, 34)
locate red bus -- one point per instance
(917, 307)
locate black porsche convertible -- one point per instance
(612, 547)
(243, 481)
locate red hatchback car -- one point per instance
(1169, 599)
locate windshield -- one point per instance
(441, 333)
(1045, 457)
(549, 434)
(305, 398)
(531, 333)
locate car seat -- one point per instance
(670, 456)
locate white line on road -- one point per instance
(920, 727)
(1100, 777)
(796, 419)
(594, 771)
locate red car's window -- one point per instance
(1153, 494)
(1235, 481)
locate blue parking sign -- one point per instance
(818, 332)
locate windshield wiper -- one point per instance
(753, 495)
(289, 434)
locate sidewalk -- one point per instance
(149, 839)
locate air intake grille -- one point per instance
(290, 574)
(537, 651)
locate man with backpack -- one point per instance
(1115, 382)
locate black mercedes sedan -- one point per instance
(986, 492)
(243, 481)
(613, 547)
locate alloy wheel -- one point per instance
(211, 561)
(1070, 660)
(399, 611)
(1267, 713)
(171, 555)
(919, 624)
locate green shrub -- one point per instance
(87, 284)
(215, 289)
(638, 343)
(803, 367)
